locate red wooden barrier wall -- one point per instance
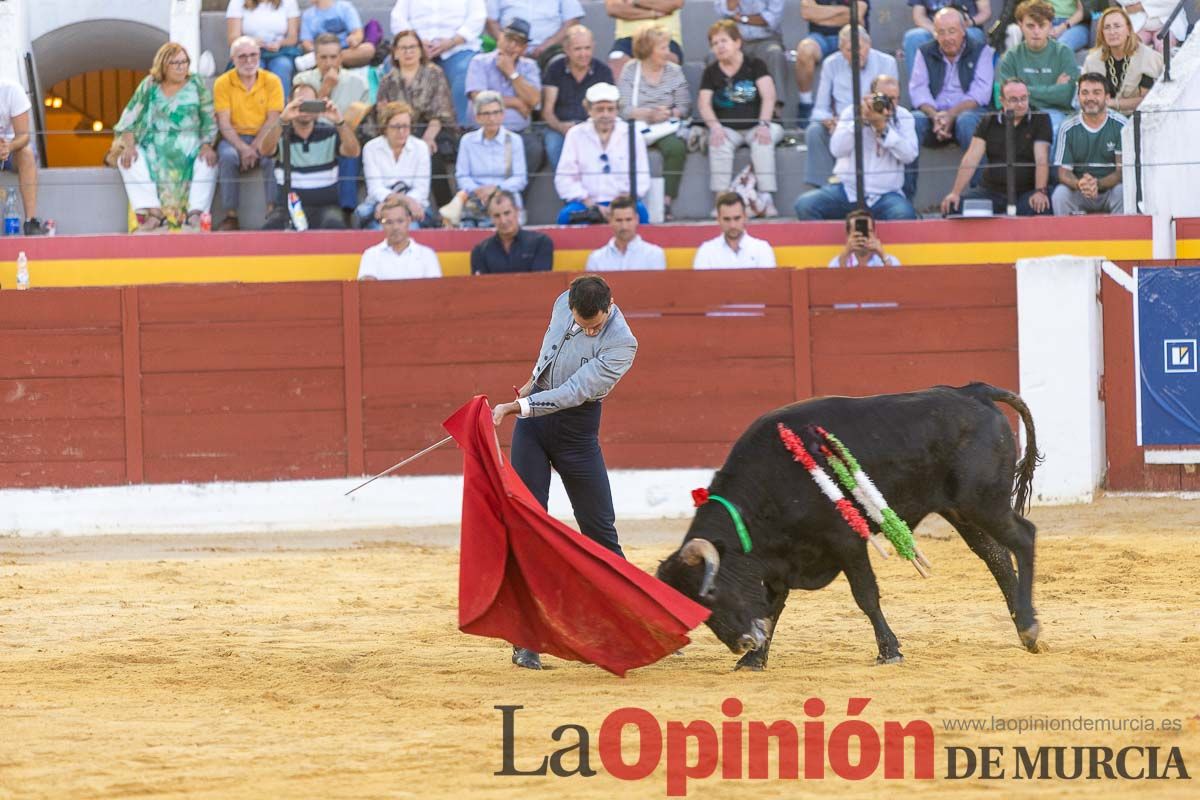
(311, 380)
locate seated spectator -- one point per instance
(349, 93)
(1069, 26)
(548, 23)
(397, 257)
(631, 17)
(511, 248)
(564, 85)
(889, 143)
(951, 81)
(314, 145)
(396, 161)
(248, 101)
(1088, 154)
(595, 166)
(1046, 66)
(1128, 66)
(734, 248)
(421, 84)
(489, 159)
(654, 91)
(1031, 158)
(165, 137)
(761, 24)
(737, 103)
(1151, 16)
(518, 81)
(826, 19)
(625, 250)
(16, 150)
(863, 248)
(834, 95)
(275, 26)
(450, 32)
(340, 18)
(975, 13)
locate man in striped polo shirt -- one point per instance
(313, 144)
(1088, 154)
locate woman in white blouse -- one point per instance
(396, 162)
(275, 25)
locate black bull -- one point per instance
(943, 450)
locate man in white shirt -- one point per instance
(889, 142)
(863, 248)
(594, 166)
(626, 250)
(397, 257)
(734, 248)
(16, 150)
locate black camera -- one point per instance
(882, 103)
(591, 215)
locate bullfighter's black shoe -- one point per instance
(526, 658)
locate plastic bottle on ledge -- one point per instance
(299, 219)
(12, 220)
(22, 271)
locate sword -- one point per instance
(395, 467)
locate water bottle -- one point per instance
(299, 218)
(12, 220)
(22, 271)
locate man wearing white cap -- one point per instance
(594, 166)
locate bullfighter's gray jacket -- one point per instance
(574, 368)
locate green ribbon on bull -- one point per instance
(742, 532)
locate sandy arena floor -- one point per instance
(330, 665)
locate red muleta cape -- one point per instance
(529, 579)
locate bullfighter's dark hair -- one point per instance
(589, 295)
(730, 199)
(622, 201)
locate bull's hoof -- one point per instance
(1029, 638)
(526, 658)
(753, 661)
(896, 659)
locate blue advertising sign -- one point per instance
(1166, 321)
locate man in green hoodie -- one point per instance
(1046, 66)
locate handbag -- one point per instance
(651, 131)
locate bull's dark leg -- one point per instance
(1018, 534)
(756, 660)
(858, 571)
(997, 558)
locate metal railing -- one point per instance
(1164, 36)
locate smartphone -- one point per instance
(862, 225)
(313, 107)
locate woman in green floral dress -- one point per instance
(166, 135)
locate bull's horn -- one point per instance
(701, 549)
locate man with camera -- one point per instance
(316, 136)
(594, 167)
(889, 142)
(863, 248)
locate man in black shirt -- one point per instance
(510, 248)
(1031, 135)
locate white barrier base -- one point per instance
(304, 505)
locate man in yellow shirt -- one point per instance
(248, 101)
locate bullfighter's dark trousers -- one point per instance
(569, 441)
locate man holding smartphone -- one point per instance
(863, 248)
(316, 135)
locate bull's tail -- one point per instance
(1023, 475)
